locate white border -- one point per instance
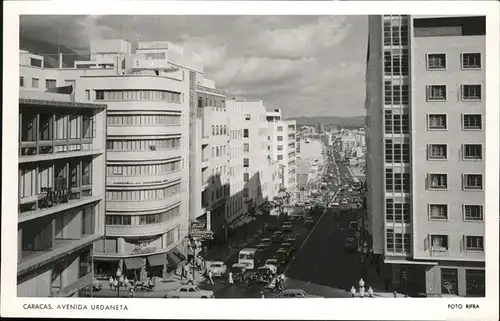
(380, 309)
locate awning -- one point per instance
(133, 263)
(106, 259)
(157, 259)
(179, 254)
(172, 258)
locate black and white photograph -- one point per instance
(252, 156)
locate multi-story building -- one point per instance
(282, 148)
(215, 151)
(148, 95)
(255, 163)
(61, 184)
(426, 150)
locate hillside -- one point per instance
(356, 121)
(50, 52)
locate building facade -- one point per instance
(61, 184)
(426, 140)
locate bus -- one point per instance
(248, 257)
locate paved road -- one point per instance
(322, 266)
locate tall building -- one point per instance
(149, 94)
(282, 148)
(215, 151)
(61, 183)
(426, 150)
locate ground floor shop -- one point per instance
(465, 279)
(141, 267)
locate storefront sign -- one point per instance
(202, 234)
(144, 246)
(198, 226)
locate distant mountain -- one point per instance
(355, 121)
(50, 52)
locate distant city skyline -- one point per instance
(305, 65)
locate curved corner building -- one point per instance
(147, 148)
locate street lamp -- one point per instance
(119, 282)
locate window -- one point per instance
(131, 95)
(471, 92)
(396, 123)
(21, 81)
(280, 157)
(245, 192)
(472, 151)
(246, 147)
(398, 242)
(397, 182)
(50, 83)
(474, 243)
(87, 94)
(245, 133)
(395, 94)
(471, 60)
(397, 210)
(437, 121)
(248, 117)
(439, 243)
(438, 211)
(246, 162)
(473, 182)
(280, 147)
(438, 181)
(246, 177)
(475, 281)
(437, 151)
(28, 127)
(280, 138)
(436, 61)
(397, 151)
(473, 212)
(436, 92)
(35, 82)
(449, 281)
(118, 220)
(472, 122)
(280, 128)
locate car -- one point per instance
(266, 241)
(353, 226)
(271, 227)
(287, 227)
(350, 245)
(218, 268)
(287, 246)
(291, 240)
(190, 291)
(309, 221)
(334, 204)
(273, 262)
(262, 247)
(277, 238)
(296, 293)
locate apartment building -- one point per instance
(215, 153)
(148, 94)
(255, 162)
(61, 184)
(282, 148)
(426, 150)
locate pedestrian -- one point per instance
(230, 278)
(282, 281)
(262, 295)
(210, 277)
(131, 292)
(183, 272)
(111, 282)
(277, 284)
(190, 279)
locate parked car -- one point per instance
(190, 291)
(218, 268)
(350, 245)
(262, 247)
(309, 221)
(272, 227)
(291, 239)
(273, 262)
(266, 241)
(277, 238)
(287, 227)
(287, 246)
(296, 293)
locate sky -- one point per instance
(305, 65)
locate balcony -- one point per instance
(31, 260)
(59, 149)
(128, 181)
(140, 230)
(130, 206)
(143, 155)
(205, 161)
(74, 287)
(145, 130)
